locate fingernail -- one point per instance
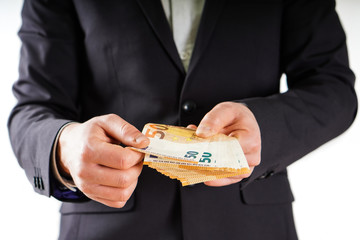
(140, 138)
(203, 130)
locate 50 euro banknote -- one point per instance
(179, 153)
(187, 175)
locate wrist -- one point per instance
(59, 170)
(61, 145)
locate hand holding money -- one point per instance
(216, 158)
(102, 169)
(235, 120)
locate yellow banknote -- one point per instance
(190, 176)
(179, 153)
(182, 144)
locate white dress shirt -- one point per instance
(184, 19)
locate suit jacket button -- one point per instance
(189, 106)
(262, 177)
(271, 173)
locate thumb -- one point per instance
(217, 119)
(123, 131)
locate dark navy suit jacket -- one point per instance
(84, 58)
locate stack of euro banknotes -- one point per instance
(179, 153)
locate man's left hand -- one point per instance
(235, 120)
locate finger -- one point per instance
(253, 159)
(115, 156)
(214, 121)
(228, 181)
(192, 126)
(111, 193)
(249, 142)
(222, 182)
(123, 131)
(116, 178)
(109, 203)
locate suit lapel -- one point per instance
(210, 15)
(155, 15)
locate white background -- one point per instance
(325, 183)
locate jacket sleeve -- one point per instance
(47, 86)
(320, 102)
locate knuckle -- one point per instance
(254, 146)
(212, 119)
(123, 162)
(126, 129)
(89, 149)
(119, 204)
(91, 123)
(258, 160)
(216, 120)
(85, 152)
(123, 195)
(122, 180)
(227, 105)
(103, 120)
(224, 108)
(82, 173)
(254, 161)
(127, 160)
(258, 138)
(85, 187)
(109, 117)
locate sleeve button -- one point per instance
(36, 182)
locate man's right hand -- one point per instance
(102, 169)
